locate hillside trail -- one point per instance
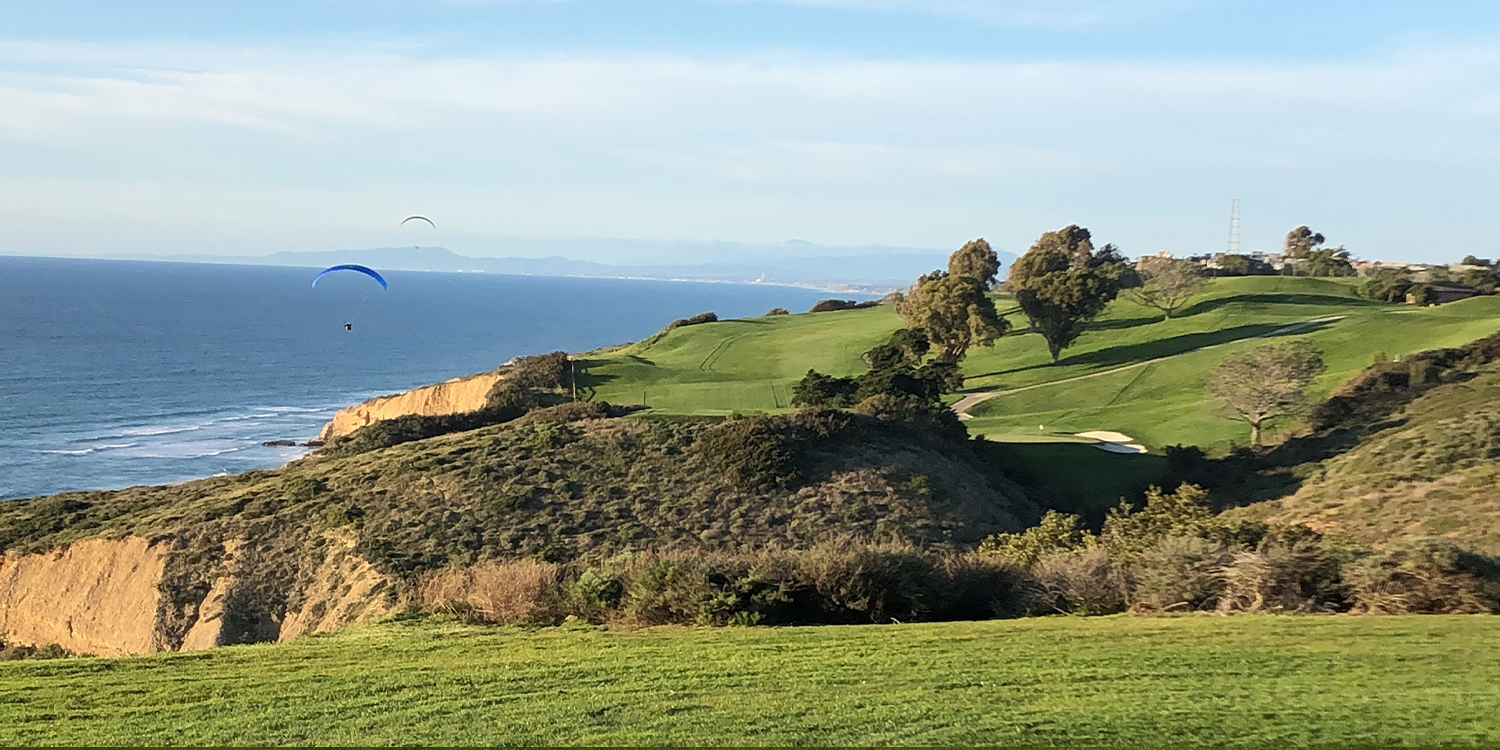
(963, 405)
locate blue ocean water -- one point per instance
(118, 373)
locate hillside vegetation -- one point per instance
(1053, 681)
(1428, 469)
(559, 485)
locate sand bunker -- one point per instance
(1114, 442)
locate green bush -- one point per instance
(710, 589)
(542, 371)
(18, 652)
(756, 452)
(856, 583)
(509, 395)
(831, 305)
(1056, 532)
(1129, 531)
(405, 429)
(817, 389)
(594, 594)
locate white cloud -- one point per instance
(215, 139)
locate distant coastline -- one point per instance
(872, 271)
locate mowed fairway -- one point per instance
(738, 365)
(1130, 372)
(1258, 680)
(1148, 375)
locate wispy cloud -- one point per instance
(1052, 14)
(758, 146)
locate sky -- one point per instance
(226, 128)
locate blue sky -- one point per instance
(247, 128)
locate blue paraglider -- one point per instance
(354, 267)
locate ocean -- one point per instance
(120, 373)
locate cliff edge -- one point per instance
(456, 396)
(111, 597)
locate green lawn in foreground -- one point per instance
(1249, 680)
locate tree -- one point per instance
(897, 373)
(976, 258)
(1234, 265)
(1485, 279)
(1267, 382)
(1300, 242)
(817, 389)
(954, 311)
(1167, 283)
(1062, 283)
(1328, 261)
(1387, 285)
(1470, 260)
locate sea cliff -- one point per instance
(110, 597)
(455, 396)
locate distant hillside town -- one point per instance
(1305, 254)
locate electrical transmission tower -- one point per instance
(1234, 228)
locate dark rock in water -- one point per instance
(313, 444)
(280, 444)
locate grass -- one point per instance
(752, 364)
(1141, 375)
(738, 365)
(1077, 477)
(1238, 681)
(1163, 402)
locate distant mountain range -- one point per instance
(872, 270)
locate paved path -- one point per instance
(963, 405)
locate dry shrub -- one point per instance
(979, 587)
(1290, 571)
(1180, 573)
(1428, 577)
(504, 593)
(1085, 582)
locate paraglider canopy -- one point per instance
(419, 218)
(353, 267)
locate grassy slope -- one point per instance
(738, 365)
(1116, 681)
(1435, 472)
(752, 364)
(1163, 403)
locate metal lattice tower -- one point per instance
(1234, 228)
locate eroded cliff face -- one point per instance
(96, 596)
(455, 396)
(106, 597)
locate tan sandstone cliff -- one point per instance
(455, 396)
(96, 596)
(105, 597)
